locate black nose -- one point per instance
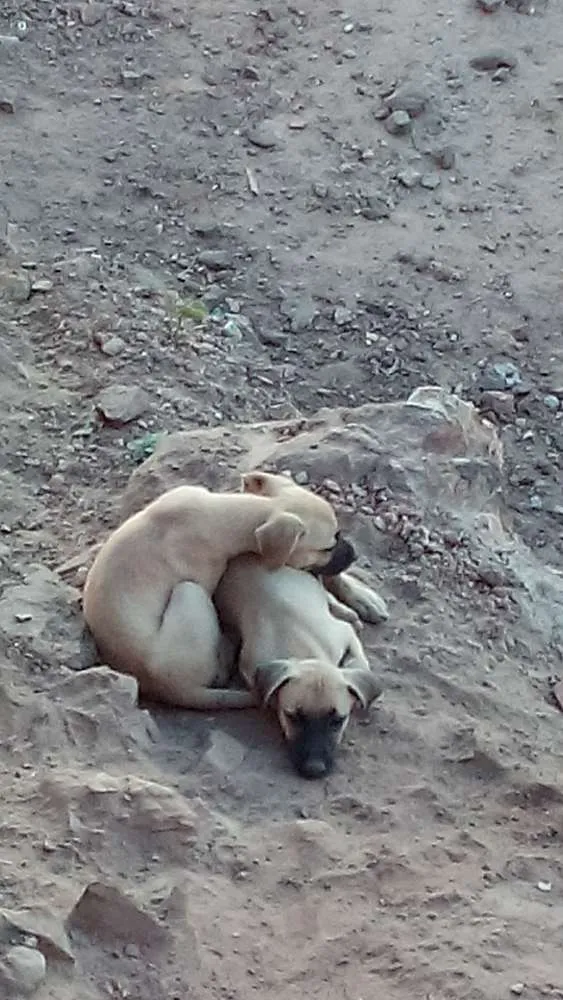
(313, 768)
(343, 555)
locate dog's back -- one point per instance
(278, 614)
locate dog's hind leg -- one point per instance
(187, 657)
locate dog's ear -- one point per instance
(277, 538)
(362, 684)
(269, 678)
(264, 484)
(254, 482)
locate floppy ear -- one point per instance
(264, 484)
(362, 684)
(269, 678)
(254, 482)
(277, 538)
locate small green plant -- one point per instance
(192, 309)
(142, 448)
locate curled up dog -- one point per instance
(148, 596)
(294, 650)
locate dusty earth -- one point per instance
(224, 212)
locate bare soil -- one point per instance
(213, 213)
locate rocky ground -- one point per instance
(217, 212)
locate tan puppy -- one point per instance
(147, 598)
(293, 648)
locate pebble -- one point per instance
(120, 404)
(491, 61)
(375, 207)
(91, 13)
(6, 106)
(15, 286)
(444, 157)
(342, 316)
(552, 402)
(517, 989)
(409, 100)
(409, 177)
(398, 122)
(499, 403)
(112, 346)
(263, 135)
(430, 181)
(215, 260)
(503, 375)
(27, 967)
(489, 6)
(42, 285)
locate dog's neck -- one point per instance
(245, 518)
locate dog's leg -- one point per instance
(185, 659)
(345, 614)
(367, 604)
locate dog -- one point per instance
(147, 597)
(292, 647)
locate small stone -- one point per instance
(398, 122)
(342, 316)
(517, 989)
(27, 968)
(409, 177)
(91, 13)
(501, 376)
(544, 886)
(263, 135)
(120, 404)
(444, 157)
(375, 207)
(215, 260)
(112, 346)
(490, 61)
(15, 285)
(301, 477)
(489, 6)
(409, 100)
(551, 401)
(130, 79)
(499, 403)
(430, 181)
(42, 285)
(6, 106)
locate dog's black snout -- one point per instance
(313, 768)
(343, 555)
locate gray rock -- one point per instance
(374, 207)
(215, 260)
(15, 285)
(26, 967)
(490, 61)
(7, 106)
(501, 376)
(409, 177)
(408, 99)
(112, 346)
(263, 135)
(342, 316)
(91, 13)
(551, 401)
(120, 404)
(398, 122)
(430, 181)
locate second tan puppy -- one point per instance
(147, 598)
(294, 649)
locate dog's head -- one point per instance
(302, 530)
(314, 702)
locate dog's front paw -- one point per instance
(370, 607)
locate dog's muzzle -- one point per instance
(343, 555)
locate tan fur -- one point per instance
(292, 646)
(147, 597)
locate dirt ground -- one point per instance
(221, 212)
